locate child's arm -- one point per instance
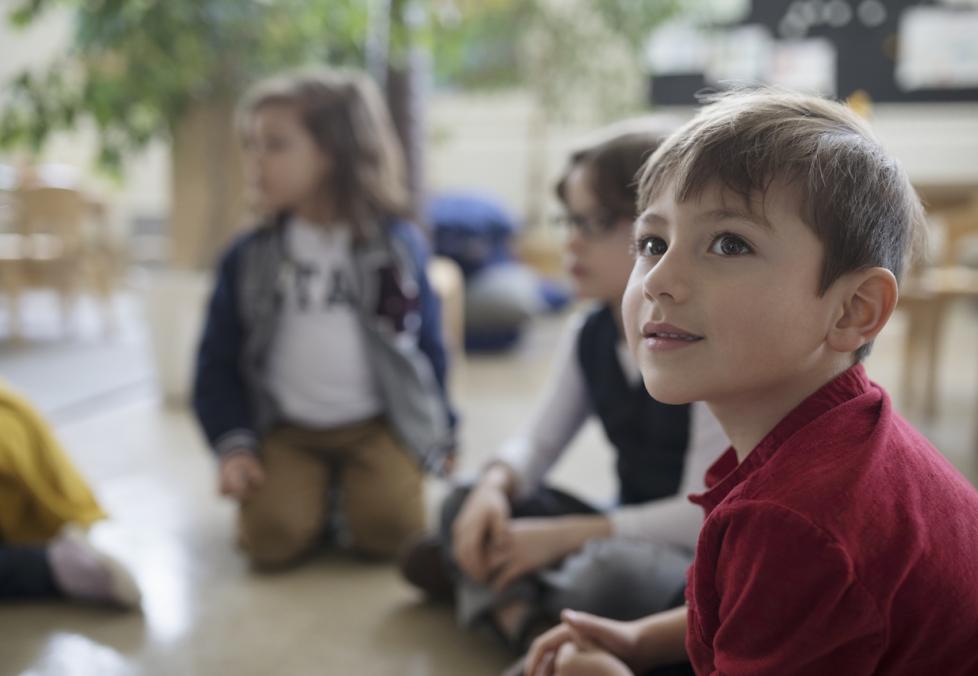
(557, 417)
(517, 471)
(675, 520)
(219, 398)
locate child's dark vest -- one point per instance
(649, 436)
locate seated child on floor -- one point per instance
(321, 365)
(837, 540)
(514, 551)
(45, 507)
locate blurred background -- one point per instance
(120, 181)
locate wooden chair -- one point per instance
(926, 296)
(12, 259)
(51, 248)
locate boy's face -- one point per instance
(740, 296)
(284, 166)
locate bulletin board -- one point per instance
(894, 51)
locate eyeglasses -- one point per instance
(590, 227)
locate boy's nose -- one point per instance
(667, 279)
(575, 242)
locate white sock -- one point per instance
(86, 573)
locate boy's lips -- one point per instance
(662, 336)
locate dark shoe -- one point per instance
(422, 564)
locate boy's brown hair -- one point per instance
(855, 197)
(613, 167)
(347, 117)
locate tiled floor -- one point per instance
(205, 613)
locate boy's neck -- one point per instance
(748, 417)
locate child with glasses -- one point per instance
(513, 551)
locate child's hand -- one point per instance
(541, 660)
(574, 661)
(480, 528)
(534, 544)
(240, 475)
(531, 544)
(586, 632)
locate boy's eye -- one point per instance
(650, 246)
(726, 244)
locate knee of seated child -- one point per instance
(381, 533)
(272, 541)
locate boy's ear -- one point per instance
(869, 300)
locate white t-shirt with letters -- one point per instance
(319, 371)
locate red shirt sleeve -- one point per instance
(784, 598)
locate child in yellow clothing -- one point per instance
(43, 501)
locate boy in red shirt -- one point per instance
(837, 540)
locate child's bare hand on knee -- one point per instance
(532, 544)
(240, 475)
(480, 528)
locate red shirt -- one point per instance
(843, 544)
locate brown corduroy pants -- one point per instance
(382, 492)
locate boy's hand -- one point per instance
(480, 527)
(530, 544)
(541, 659)
(574, 661)
(240, 475)
(585, 632)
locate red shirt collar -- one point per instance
(725, 474)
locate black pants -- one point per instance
(25, 573)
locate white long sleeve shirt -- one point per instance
(562, 412)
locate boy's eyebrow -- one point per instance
(725, 213)
(649, 218)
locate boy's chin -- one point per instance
(668, 391)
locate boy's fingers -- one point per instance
(585, 623)
(592, 629)
(547, 666)
(545, 644)
(564, 653)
